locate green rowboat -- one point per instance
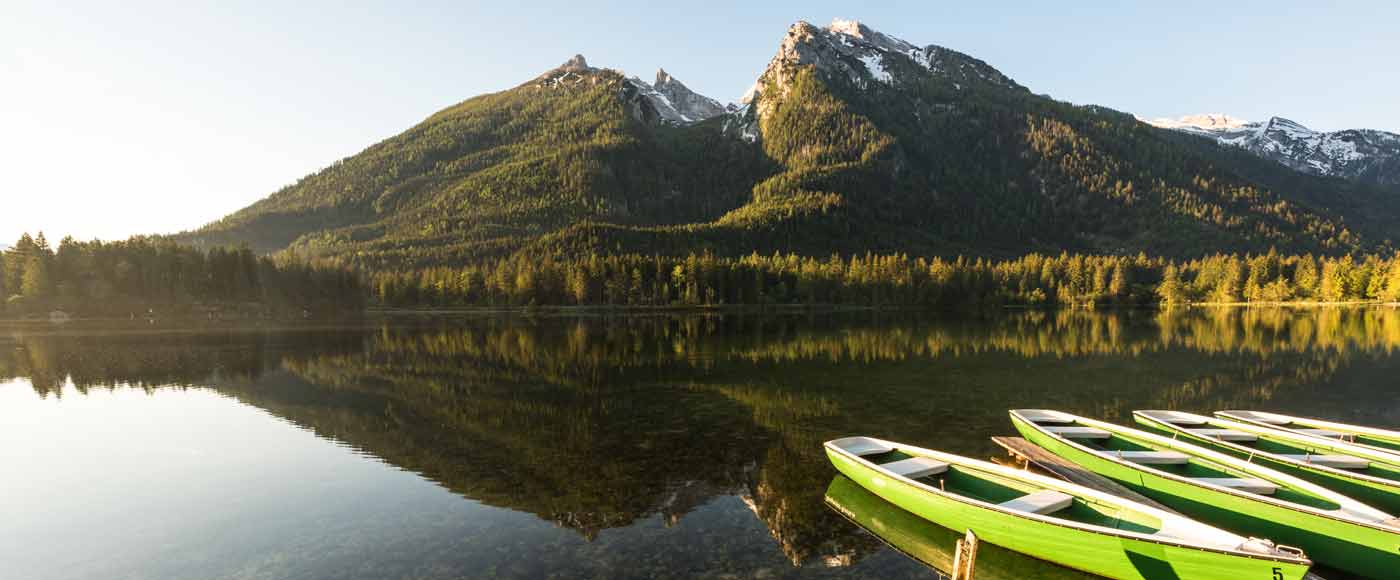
(926, 542)
(1378, 439)
(1226, 491)
(1055, 520)
(1369, 475)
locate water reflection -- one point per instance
(601, 423)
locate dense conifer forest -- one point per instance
(894, 281)
(144, 277)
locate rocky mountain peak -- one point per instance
(577, 63)
(664, 78)
(862, 56)
(673, 102)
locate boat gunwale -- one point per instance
(1226, 459)
(1343, 428)
(1080, 526)
(1394, 462)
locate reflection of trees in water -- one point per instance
(596, 422)
(146, 362)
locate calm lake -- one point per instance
(605, 446)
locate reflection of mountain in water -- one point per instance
(596, 423)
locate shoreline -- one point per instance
(391, 312)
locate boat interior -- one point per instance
(1321, 429)
(1322, 455)
(1145, 454)
(1014, 494)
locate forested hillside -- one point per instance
(853, 142)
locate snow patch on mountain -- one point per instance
(1207, 121)
(876, 70)
(1361, 154)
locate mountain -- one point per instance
(1365, 155)
(851, 141)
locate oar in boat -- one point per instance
(929, 543)
(1379, 439)
(1223, 490)
(1055, 520)
(1365, 474)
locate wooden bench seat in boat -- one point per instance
(1041, 502)
(1154, 457)
(860, 446)
(1044, 416)
(1321, 433)
(915, 467)
(1075, 432)
(1178, 418)
(1338, 461)
(1267, 418)
(1225, 434)
(1248, 484)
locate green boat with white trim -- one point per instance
(1369, 475)
(931, 544)
(1055, 520)
(1222, 490)
(1372, 437)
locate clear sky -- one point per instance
(131, 117)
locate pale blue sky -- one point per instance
(137, 117)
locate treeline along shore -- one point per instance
(893, 281)
(143, 275)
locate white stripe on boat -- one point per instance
(1249, 484)
(1338, 461)
(1225, 434)
(1076, 432)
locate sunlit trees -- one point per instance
(144, 273)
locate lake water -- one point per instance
(608, 447)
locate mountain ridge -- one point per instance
(1367, 155)
(851, 141)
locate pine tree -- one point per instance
(1305, 277)
(36, 283)
(1118, 287)
(1170, 290)
(1392, 284)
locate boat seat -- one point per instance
(1321, 433)
(1176, 417)
(860, 446)
(1338, 461)
(1225, 434)
(1154, 457)
(1267, 418)
(1248, 484)
(1046, 416)
(915, 467)
(1075, 432)
(1041, 502)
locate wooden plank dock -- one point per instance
(1032, 454)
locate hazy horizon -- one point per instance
(165, 116)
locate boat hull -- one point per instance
(1106, 555)
(1337, 543)
(1380, 494)
(932, 544)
